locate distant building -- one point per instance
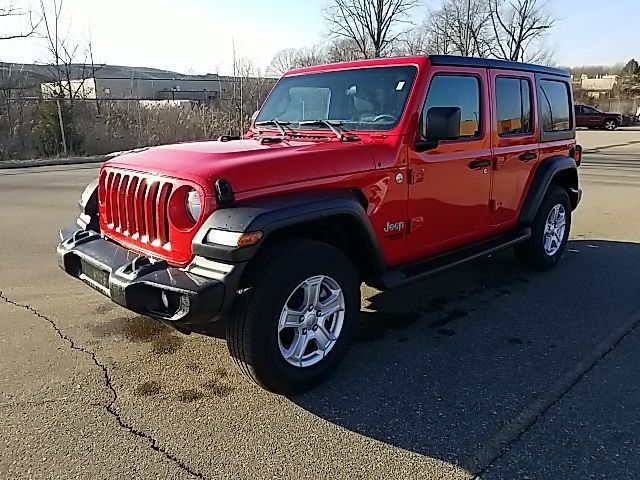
(138, 83)
(598, 85)
(174, 88)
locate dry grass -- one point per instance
(30, 129)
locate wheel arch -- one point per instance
(559, 170)
(338, 218)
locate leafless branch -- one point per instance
(25, 16)
(519, 26)
(369, 24)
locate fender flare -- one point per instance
(543, 178)
(88, 203)
(270, 214)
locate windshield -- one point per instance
(363, 99)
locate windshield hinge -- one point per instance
(416, 175)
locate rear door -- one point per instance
(514, 141)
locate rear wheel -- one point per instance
(549, 232)
(610, 125)
(292, 322)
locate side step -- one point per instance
(412, 272)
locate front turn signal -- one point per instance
(233, 239)
(248, 239)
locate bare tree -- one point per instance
(338, 50)
(310, 56)
(283, 61)
(28, 23)
(519, 27)
(459, 27)
(342, 50)
(415, 42)
(370, 24)
(69, 75)
(11, 81)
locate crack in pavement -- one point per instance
(530, 415)
(110, 407)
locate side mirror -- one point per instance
(441, 123)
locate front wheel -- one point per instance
(292, 322)
(610, 125)
(549, 232)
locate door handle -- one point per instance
(526, 157)
(480, 163)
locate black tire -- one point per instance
(531, 253)
(610, 124)
(252, 330)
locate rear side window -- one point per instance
(461, 91)
(554, 103)
(513, 101)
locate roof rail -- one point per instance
(454, 60)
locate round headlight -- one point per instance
(194, 205)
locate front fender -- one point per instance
(88, 203)
(271, 214)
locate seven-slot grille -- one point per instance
(136, 206)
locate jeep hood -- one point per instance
(249, 164)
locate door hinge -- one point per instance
(498, 162)
(416, 223)
(416, 175)
(494, 205)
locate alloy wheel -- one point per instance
(311, 321)
(554, 229)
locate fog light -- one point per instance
(165, 300)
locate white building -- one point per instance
(599, 83)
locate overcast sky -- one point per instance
(197, 35)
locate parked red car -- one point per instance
(382, 171)
(591, 117)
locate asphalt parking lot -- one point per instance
(484, 371)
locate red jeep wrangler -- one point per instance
(384, 171)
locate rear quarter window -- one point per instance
(554, 106)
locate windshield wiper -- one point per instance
(279, 124)
(333, 125)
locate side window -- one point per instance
(554, 103)
(461, 91)
(513, 101)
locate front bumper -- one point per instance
(189, 299)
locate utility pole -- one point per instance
(93, 72)
(62, 134)
(467, 32)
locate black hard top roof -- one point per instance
(458, 61)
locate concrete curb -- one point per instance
(53, 162)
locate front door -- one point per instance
(592, 117)
(450, 184)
